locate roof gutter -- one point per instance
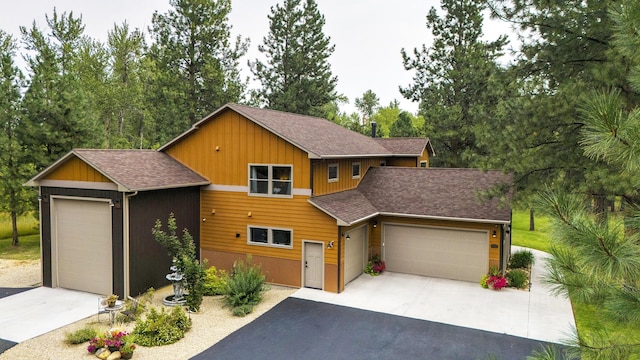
(415, 216)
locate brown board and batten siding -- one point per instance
(149, 261)
(321, 184)
(222, 149)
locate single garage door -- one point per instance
(354, 254)
(437, 252)
(82, 245)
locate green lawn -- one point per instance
(29, 238)
(521, 236)
(589, 318)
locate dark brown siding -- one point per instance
(148, 260)
(116, 229)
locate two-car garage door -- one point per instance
(437, 252)
(81, 246)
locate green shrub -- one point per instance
(521, 259)
(244, 287)
(162, 327)
(80, 336)
(483, 281)
(215, 282)
(517, 278)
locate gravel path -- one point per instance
(211, 325)
(20, 273)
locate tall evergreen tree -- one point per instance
(403, 127)
(125, 119)
(13, 170)
(367, 105)
(451, 80)
(195, 65)
(297, 75)
(596, 259)
(55, 110)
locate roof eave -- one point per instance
(353, 156)
(447, 218)
(173, 186)
(339, 221)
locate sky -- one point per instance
(368, 34)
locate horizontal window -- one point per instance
(270, 180)
(423, 164)
(270, 236)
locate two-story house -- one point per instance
(309, 199)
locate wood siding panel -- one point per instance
(75, 169)
(239, 142)
(321, 184)
(403, 161)
(231, 217)
(424, 157)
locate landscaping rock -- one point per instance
(114, 355)
(103, 353)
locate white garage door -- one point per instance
(354, 254)
(81, 234)
(436, 252)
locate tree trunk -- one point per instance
(14, 227)
(532, 225)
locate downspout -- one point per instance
(338, 261)
(125, 237)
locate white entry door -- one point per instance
(313, 263)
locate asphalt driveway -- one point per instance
(304, 329)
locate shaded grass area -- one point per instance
(28, 249)
(29, 238)
(589, 318)
(521, 236)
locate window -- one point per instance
(423, 164)
(270, 237)
(355, 170)
(333, 172)
(383, 163)
(270, 180)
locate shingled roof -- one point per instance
(406, 146)
(319, 138)
(133, 170)
(434, 193)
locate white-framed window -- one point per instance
(270, 180)
(383, 163)
(423, 164)
(332, 170)
(355, 170)
(268, 236)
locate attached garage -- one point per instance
(355, 246)
(81, 245)
(436, 252)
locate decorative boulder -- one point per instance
(103, 353)
(114, 355)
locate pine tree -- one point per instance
(13, 171)
(596, 259)
(367, 105)
(297, 75)
(56, 116)
(194, 65)
(403, 127)
(452, 78)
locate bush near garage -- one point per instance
(518, 278)
(244, 287)
(162, 327)
(521, 259)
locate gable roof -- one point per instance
(434, 193)
(406, 146)
(319, 138)
(132, 170)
